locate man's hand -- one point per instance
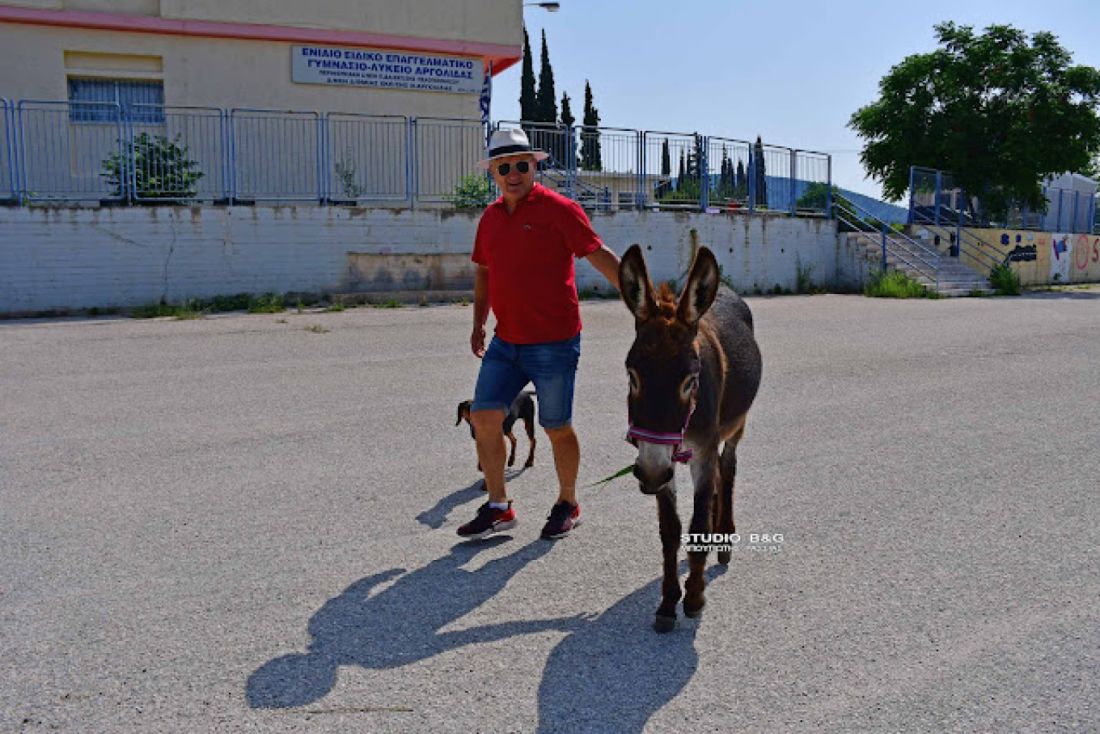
(477, 341)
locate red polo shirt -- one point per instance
(530, 253)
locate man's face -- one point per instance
(514, 184)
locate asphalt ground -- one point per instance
(243, 523)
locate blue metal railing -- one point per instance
(936, 199)
(8, 176)
(963, 243)
(106, 151)
(276, 155)
(71, 161)
(893, 245)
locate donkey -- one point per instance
(694, 370)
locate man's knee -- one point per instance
(561, 433)
(488, 423)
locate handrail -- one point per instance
(928, 259)
(882, 239)
(973, 245)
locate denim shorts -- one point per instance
(507, 368)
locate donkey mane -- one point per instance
(666, 302)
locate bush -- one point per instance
(894, 284)
(1004, 280)
(160, 169)
(472, 192)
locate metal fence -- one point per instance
(8, 188)
(935, 198)
(367, 158)
(445, 151)
(104, 152)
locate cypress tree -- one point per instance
(666, 159)
(683, 172)
(725, 176)
(567, 121)
(590, 136)
(528, 103)
(761, 181)
(547, 101)
(739, 182)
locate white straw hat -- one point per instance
(510, 142)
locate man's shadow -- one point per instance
(437, 515)
(614, 672)
(398, 625)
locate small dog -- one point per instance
(523, 408)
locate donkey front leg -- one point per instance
(670, 546)
(704, 474)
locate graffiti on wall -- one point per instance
(1085, 255)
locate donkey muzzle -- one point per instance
(652, 484)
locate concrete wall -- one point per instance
(1038, 258)
(55, 259)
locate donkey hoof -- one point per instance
(724, 557)
(694, 613)
(664, 624)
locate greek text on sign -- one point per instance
(386, 68)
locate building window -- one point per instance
(131, 95)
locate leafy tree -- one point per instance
(760, 174)
(528, 101)
(1000, 112)
(591, 156)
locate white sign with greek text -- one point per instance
(385, 68)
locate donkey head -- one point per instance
(663, 363)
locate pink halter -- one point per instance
(681, 456)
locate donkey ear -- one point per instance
(701, 288)
(634, 285)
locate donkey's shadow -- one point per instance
(398, 625)
(628, 671)
(437, 515)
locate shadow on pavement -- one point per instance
(614, 672)
(398, 625)
(436, 516)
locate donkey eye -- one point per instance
(635, 381)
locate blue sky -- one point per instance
(792, 72)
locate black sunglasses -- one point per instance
(523, 167)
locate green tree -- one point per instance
(528, 101)
(546, 99)
(760, 174)
(998, 111)
(591, 155)
(567, 121)
(666, 159)
(740, 183)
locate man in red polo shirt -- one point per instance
(526, 244)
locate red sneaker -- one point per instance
(488, 520)
(563, 518)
